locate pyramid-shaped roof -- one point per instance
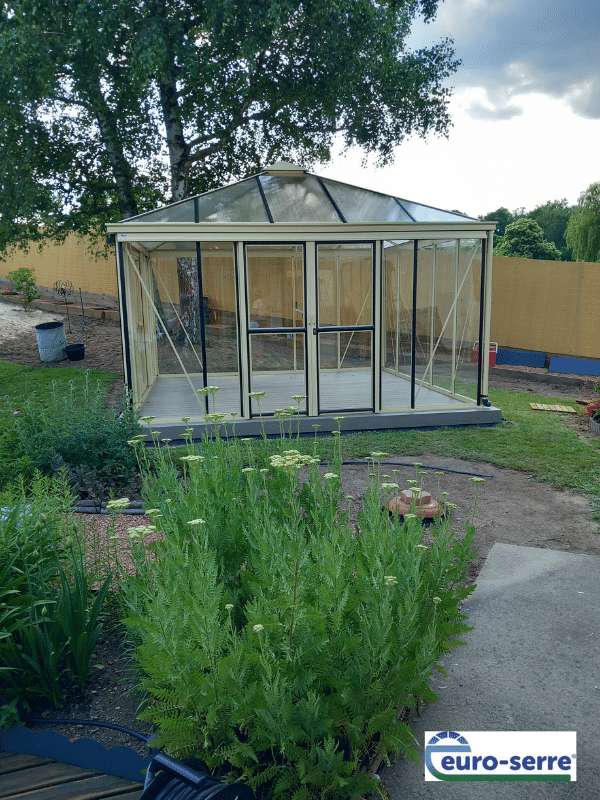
(287, 193)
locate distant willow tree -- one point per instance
(583, 230)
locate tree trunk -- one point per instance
(189, 300)
(187, 269)
(158, 302)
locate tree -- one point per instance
(552, 217)
(583, 230)
(502, 216)
(525, 239)
(110, 107)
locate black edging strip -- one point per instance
(93, 722)
(411, 464)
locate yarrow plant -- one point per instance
(298, 636)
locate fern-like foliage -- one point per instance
(276, 643)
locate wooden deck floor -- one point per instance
(171, 397)
(24, 777)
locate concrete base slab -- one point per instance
(353, 423)
(532, 663)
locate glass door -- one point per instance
(344, 327)
(276, 328)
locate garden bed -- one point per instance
(512, 508)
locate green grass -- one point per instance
(21, 383)
(534, 442)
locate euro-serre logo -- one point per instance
(501, 756)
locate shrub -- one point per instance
(23, 281)
(592, 409)
(78, 428)
(49, 621)
(280, 647)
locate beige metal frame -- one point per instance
(139, 233)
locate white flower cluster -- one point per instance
(118, 505)
(292, 461)
(215, 418)
(207, 390)
(138, 533)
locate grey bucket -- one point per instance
(51, 341)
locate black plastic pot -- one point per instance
(75, 352)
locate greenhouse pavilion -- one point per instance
(288, 290)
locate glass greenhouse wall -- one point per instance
(374, 321)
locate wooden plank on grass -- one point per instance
(547, 407)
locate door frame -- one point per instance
(247, 331)
(374, 327)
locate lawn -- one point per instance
(20, 383)
(534, 442)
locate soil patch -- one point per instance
(102, 338)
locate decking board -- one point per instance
(24, 777)
(171, 397)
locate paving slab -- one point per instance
(531, 663)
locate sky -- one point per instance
(525, 110)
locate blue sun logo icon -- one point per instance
(449, 742)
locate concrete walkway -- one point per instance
(532, 663)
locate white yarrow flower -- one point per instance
(118, 505)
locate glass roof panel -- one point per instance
(361, 205)
(428, 214)
(176, 212)
(241, 202)
(302, 199)
(295, 196)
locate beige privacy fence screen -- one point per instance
(548, 306)
(71, 261)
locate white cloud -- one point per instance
(510, 48)
(525, 111)
(547, 152)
